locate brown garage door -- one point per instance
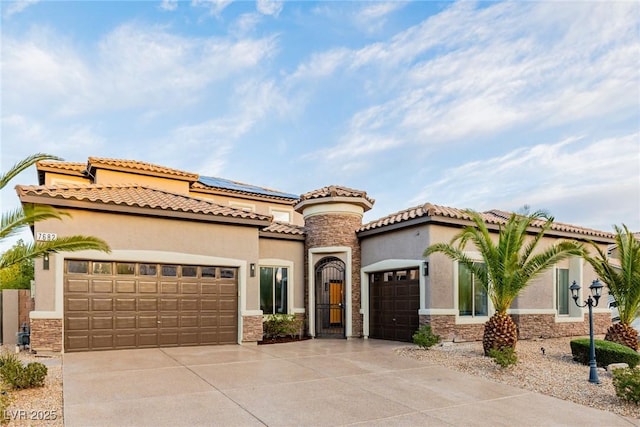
(117, 305)
(394, 301)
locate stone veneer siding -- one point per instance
(529, 326)
(334, 229)
(46, 334)
(251, 328)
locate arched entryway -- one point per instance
(330, 297)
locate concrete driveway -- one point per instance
(315, 382)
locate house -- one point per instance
(199, 260)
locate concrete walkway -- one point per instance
(315, 382)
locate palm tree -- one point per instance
(15, 220)
(508, 266)
(623, 281)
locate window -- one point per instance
(189, 271)
(126, 268)
(281, 216)
(562, 291)
(101, 268)
(80, 267)
(273, 290)
(472, 297)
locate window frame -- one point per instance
(284, 296)
(469, 319)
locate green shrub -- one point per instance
(18, 376)
(281, 325)
(626, 381)
(425, 338)
(607, 352)
(505, 356)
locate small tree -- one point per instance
(623, 281)
(17, 276)
(508, 266)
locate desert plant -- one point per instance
(626, 382)
(507, 267)
(607, 352)
(425, 338)
(5, 402)
(281, 325)
(505, 356)
(15, 375)
(623, 281)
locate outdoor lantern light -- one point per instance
(596, 292)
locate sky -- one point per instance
(480, 105)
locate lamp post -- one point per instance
(596, 292)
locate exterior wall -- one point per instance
(273, 251)
(251, 328)
(335, 229)
(104, 176)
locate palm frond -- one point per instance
(22, 165)
(13, 221)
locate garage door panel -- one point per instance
(102, 322)
(102, 286)
(126, 340)
(102, 304)
(77, 304)
(145, 287)
(188, 304)
(125, 322)
(169, 287)
(125, 286)
(102, 341)
(169, 304)
(147, 321)
(77, 285)
(188, 321)
(147, 304)
(77, 342)
(189, 288)
(125, 304)
(169, 321)
(104, 310)
(77, 323)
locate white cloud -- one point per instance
(169, 5)
(18, 6)
(269, 7)
(215, 6)
(598, 176)
(132, 67)
(372, 16)
(479, 72)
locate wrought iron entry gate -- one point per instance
(330, 303)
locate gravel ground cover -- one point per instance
(38, 406)
(552, 371)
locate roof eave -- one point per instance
(360, 201)
(281, 236)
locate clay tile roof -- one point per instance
(136, 196)
(495, 216)
(284, 228)
(65, 166)
(335, 191)
(118, 164)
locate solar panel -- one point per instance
(232, 185)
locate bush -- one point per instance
(281, 325)
(607, 352)
(425, 338)
(505, 356)
(626, 381)
(18, 376)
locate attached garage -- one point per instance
(394, 301)
(119, 305)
